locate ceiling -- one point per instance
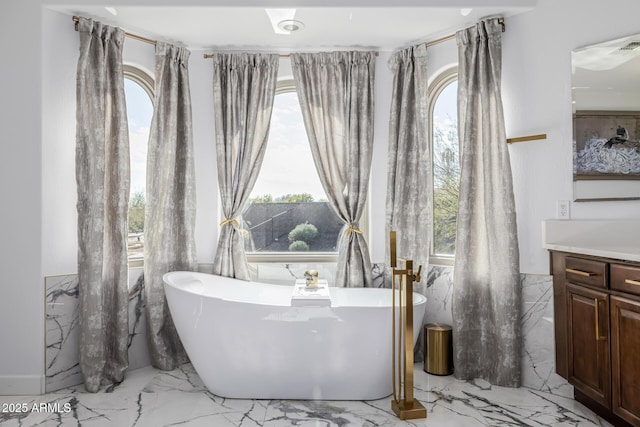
(610, 66)
(325, 28)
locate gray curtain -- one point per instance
(102, 175)
(170, 200)
(409, 168)
(486, 289)
(244, 86)
(335, 90)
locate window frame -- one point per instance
(439, 83)
(147, 83)
(286, 85)
(142, 78)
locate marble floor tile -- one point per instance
(153, 398)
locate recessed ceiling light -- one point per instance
(111, 10)
(277, 15)
(290, 25)
(465, 11)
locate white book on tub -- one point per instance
(311, 296)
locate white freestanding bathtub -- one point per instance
(245, 339)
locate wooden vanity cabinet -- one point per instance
(589, 367)
(597, 328)
(625, 358)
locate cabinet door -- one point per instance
(588, 342)
(625, 359)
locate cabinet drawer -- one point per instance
(625, 278)
(586, 272)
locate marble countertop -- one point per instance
(617, 239)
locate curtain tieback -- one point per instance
(353, 228)
(230, 220)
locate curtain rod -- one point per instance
(453, 36)
(284, 55)
(76, 20)
(431, 43)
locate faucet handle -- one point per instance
(416, 277)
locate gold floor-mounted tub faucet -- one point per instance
(403, 403)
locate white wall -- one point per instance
(37, 150)
(59, 219)
(60, 56)
(378, 180)
(207, 215)
(21, 284)
(537, 99)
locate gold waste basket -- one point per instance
(438, 349)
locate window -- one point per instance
(443, 135)
(138, 88)
(288, 213)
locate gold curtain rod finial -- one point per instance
(453, 36)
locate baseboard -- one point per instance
(22, 385)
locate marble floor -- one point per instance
(149, 397)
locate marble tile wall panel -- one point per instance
(379, 275)
(439, 291)
(138, 344)
(62, 334)
(538, 352)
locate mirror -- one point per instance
(606, 120)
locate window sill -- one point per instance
(289, 257)
(441, 260)
(136, 261)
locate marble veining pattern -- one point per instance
(538, 350)
(138, 345)
(538, 353)
(61, 321)
(537, 320)
(378, 274)
(61, 353)
(149, 397)
(439, 291)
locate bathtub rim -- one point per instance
(283, 291)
